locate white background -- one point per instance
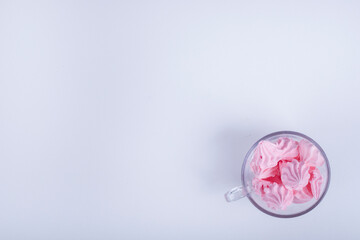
(130, 119)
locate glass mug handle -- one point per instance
(236, 193)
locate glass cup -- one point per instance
(247, 175)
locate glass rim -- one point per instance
(299, 135)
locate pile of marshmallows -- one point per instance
(286, 172)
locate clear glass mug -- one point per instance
(247, 175)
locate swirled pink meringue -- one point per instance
(316, 181)
(259, 185)
(310, 154)
(277, 196)
(268, 154)
(294, 175)
(264, 173)
(286, 172)
(303, 195)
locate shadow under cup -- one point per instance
(247, 175)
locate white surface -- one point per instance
(130, 120)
